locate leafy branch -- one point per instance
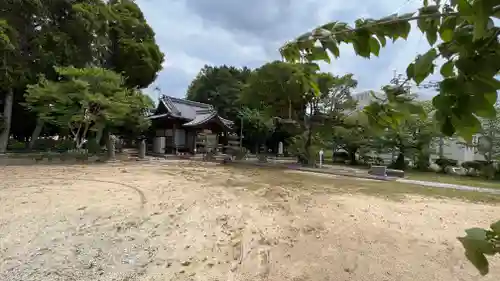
(479, 243)
(469, 44)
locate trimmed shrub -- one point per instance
(443, 163)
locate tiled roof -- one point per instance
(185, 108)
(195, 112)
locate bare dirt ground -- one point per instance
(194, 221)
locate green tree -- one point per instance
(84, 100)
(220, 86)
(353, 135)
(469, 45)
(423, 132)
(279, 88)
(489, 139)
(113, 34)
(396, 114)
(259, 126)
(133, 51)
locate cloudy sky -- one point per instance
(193, 33)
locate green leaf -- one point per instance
(381, 39)
(463, 7)
(447, 127)
(331, 45)
(476, 240)
(495, 227)
(406, 16)
(424, 65)
(318, 53)
(410, 71)
(497, 14)
(479, 261)
(482, 107)
(447, 69)
(447, 28)
(441, 101)
(374, 46)
(329, 26)
(446, 35)
(491, 97)
(465, 122)
(480, 19)
(361, 45)
(431, 37)
(482, 85)
(404, 30)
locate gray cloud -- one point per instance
(248, 33)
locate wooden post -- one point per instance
(174, 140)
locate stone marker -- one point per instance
(280, 148)
(142, 149)
(395, 173)
(380, 171)
(111, 148)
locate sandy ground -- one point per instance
(187, 221)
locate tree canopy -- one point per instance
(85, 100)
(38, 36)
(219, 86)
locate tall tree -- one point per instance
(133, 51)
(78, 33)
(220, 86)
(22, 24)
(278, 87)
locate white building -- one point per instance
(453, 148)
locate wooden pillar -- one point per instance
(174, 139)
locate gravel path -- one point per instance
(451, 186)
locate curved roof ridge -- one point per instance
(190, 102)
(167, 101)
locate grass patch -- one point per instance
(451, 179)
(254, 178)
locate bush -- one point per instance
(443, 163)
(473, 167)
(64, 145)
(369, 160)
(16, 146)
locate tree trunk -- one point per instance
(36, 133)
(400, 161)
(352, 156)
(7, 115)
(441, 147)
(308, 147)
(98, 135)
